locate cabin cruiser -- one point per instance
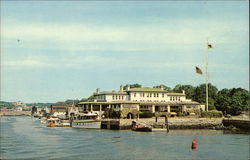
(53, 122)
(57, 122)
(87, 121)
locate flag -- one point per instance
(209, 46)
(198, 70)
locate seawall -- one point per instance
(242, 124)
(174, 123)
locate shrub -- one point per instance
(146, 115)
(181, 114)
(211, 114)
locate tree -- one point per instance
(232, 101)
(136, 85)
(164, 87)
(189, 90)
(200, 94)
(223, 101)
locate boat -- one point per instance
(65, 123)
(57, 122)
(53, 122)
(87, 121)
(43, 120)
(141, 127)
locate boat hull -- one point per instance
(86, 124)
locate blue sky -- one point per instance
(68, 49)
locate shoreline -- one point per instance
(15, 113)
(174, 123)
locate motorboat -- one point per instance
(87, 121)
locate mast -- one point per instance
(206, 76)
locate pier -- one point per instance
(172, 123)
(116, 124)
(241, 124)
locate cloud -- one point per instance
(26, 63)
(157, 36)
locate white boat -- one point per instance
(43, 120)
(53, 122)
(57, 122)
(65, 122)
(87, 121)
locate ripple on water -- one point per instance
(27, 138)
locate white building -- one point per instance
(139, 99)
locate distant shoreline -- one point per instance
(15, 113)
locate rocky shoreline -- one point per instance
(189, 123)
(184, 123)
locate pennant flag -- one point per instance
(209, 46)
(198, 70)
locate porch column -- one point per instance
(153, 108)
(100, 107)
(121, 106)
(183, 108)
(168, 108)
(91, 107)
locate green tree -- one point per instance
(189, 90)
(200, 94)
(232, 101)
(136, 85)
(223, 101)
(164, 87)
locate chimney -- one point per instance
(97, 90)
(183, 92)
(128, 87)
(162, 88)
(121, 88)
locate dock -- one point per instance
(241, 124)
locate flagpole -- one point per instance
(206, 76)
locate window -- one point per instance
(157, 94)
(113, 97)
(134, 94)
(179, 98)
(162, 95)
(150, 94)
(170, 98)
(143, 95)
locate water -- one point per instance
(27, 138)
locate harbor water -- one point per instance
(25, 137)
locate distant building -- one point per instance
(129, 102)
(19, 104)
(58, 109)
(18, 109)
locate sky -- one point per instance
(58, 50)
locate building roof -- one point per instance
(113, 102)
(145, 103)
(110, 93)
(171, 103)
(159, 90)
(146, 90)
(176, 94)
